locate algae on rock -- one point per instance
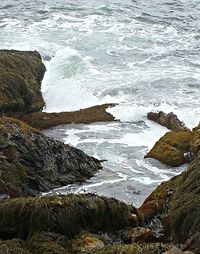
(21, 74)
(66, 215)
(173, 148)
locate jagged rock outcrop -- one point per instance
(170, 120)
(43, 120)
(21, 73)
(31, 163)
(173, 209)
(173, 148)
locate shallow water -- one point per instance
(141, 54)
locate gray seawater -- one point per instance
(142, 54)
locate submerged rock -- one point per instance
(170, 121)
(66, 215)
(21, 73)
(173, 148)
(31, 163)
(43, 120)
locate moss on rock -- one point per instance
(172, 148)
(66, 215)
(21, 73)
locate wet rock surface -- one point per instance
(31, 163)
(43, 120)
(170, 120)
(21, 73)
(173, 148)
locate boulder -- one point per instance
(66, 215)
(170, 120)
(173, 148)
(31, 163)
(43, 120)
(21, 73)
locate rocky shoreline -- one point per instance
(31, 163)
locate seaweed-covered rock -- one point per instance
(85, 242)
(155, 209)
(135, 235)
(172, 210)
(153, 248)
(173, 148)
(30, 162)
(195, 143)
(21, 73)
(15, 246)
(185, 208)
(170, 120)
(47, 243)
(66, 215)
(44, 120)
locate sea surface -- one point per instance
(142, 54)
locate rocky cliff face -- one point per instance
(21, 73)
(30, 162)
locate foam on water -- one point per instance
(140, 54)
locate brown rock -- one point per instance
(173, 148)
(170, 120)
(43, 120)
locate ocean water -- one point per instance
(142, 54)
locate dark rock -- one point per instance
(43, 120)
(66, 215)
(173, 148)
(170, 121)
(32, 163)
(21, 73)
